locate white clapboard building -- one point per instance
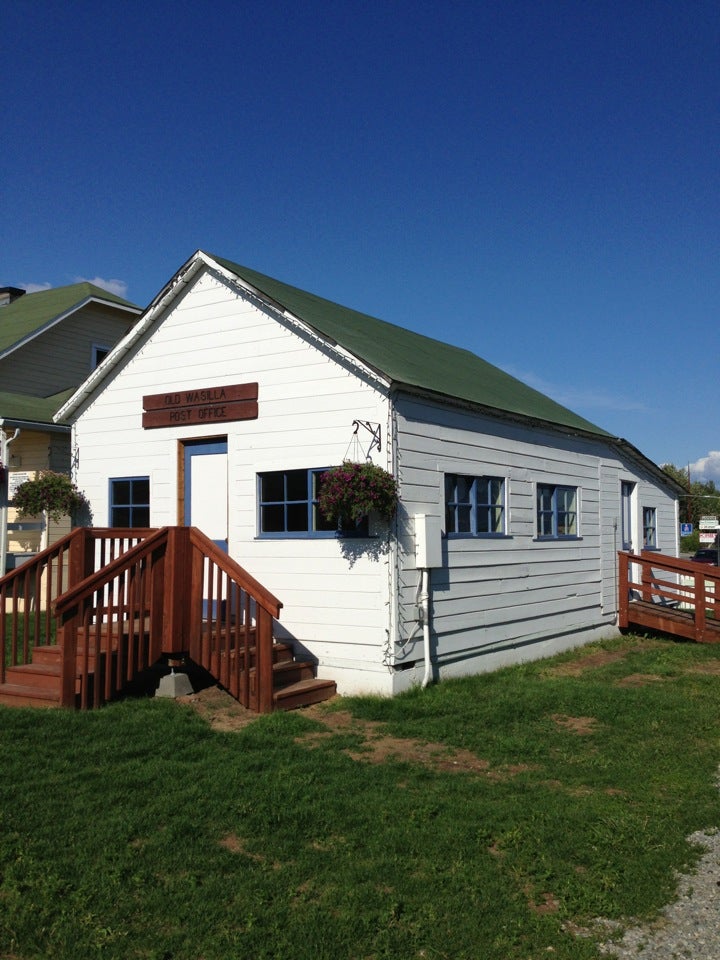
(234, 391)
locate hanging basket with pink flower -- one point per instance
(353, 491)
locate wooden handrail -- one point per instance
(90, 584)
(239, 653)
(675, 564)
(680, 602)
(39, 558)
(226, 563)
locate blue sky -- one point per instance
(536, 181)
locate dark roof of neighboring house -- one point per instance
(31, 313)
(20, 408)
(411, 359)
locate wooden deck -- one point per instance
(673, 596)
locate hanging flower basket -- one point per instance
(51, 493)
(352, 491)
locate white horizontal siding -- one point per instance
(514, 594)
(335, 606)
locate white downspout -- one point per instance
(4, 499)
(425, 617)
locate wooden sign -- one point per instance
(194, 406)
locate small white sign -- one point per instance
(707, 538)
(16, 478)
(708, 523)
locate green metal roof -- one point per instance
(413, 360)
(18, 407)
(33, 311)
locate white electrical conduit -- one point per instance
(4, 457)
(425, 617)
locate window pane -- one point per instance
(483, 520)
(450, 488)
(496, 520)
(463, 489)
(297, 517)
(297, 485)
(120, 517)
(450, 519)
(272, 487)
(463, 520)
(272, 519)
(141, 490)
(495, 493)
(545, 525)
(120, 491)
(545, 498)
(141, 517)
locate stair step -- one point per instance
(23, 695)
(47, 654)
(304, 693)
(291, 671)
(44, 676)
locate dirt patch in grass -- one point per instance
(580, 725)
(223, 713)
(600, 658)
(710, 668)
(217, 708)
(379, 747)
(639, 680)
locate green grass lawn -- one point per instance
(138, 831)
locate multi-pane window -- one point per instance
(287, 504)
(649, 528)
(474, 505)
(130, 502)
(556, 511)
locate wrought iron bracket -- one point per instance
(375, 430)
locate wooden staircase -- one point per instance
(102, 612)
(38, 683)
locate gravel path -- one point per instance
(689, 928)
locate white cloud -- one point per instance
(35, 287)
(706, 468)
(118, 287)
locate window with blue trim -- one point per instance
(474, 506)
(130, 502)
(287, 506)
(649, 528)
(556, 511)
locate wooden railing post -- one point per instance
(623, 590)
(646, 578)
(67, 634)
(197, 564)
(177, 591)
(700, 604)
(81, 562)
(264, 661)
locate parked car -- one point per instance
(706, 556)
